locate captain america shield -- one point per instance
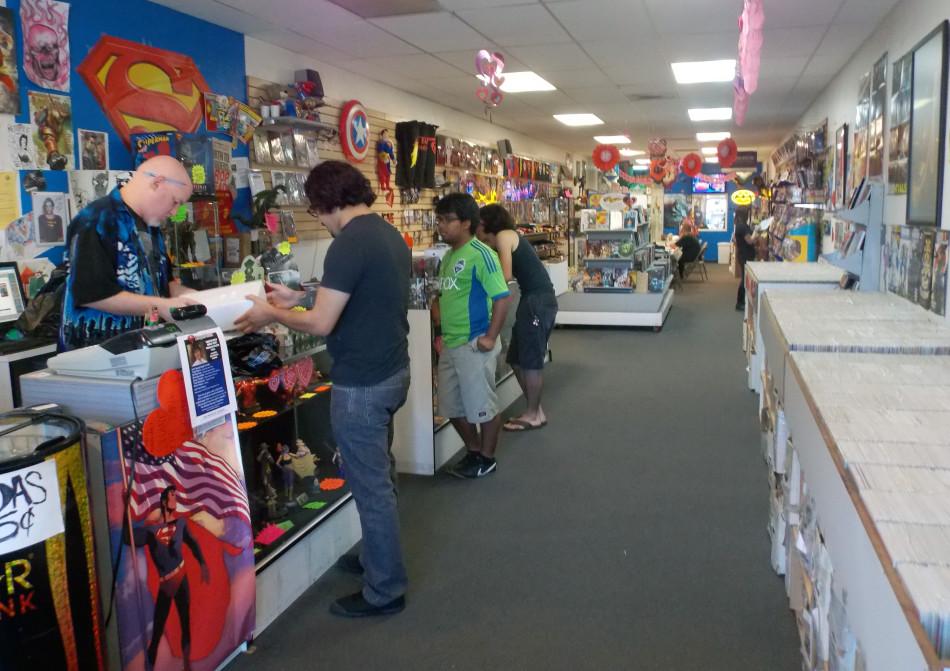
(354, 131)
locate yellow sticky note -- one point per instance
(284, 248)
(9, 200)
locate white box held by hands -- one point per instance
(225, 304)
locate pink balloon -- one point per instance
(740, 101)
(750, 43)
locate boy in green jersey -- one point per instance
(468, 316)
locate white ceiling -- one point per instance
(597, 52)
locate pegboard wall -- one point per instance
(308, 228)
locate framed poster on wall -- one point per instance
(859, 151)
(927, 129)
(899, 126)
(878, 102)
(841, 166)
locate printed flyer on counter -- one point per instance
(207, 373)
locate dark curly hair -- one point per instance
(462, 206)
(495, 219)
(335, 184)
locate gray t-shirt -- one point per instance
(370, 261)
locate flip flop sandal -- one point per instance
(525, 426)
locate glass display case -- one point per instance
(295, 476)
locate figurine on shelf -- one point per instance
(305, 464)
(247, 394)
(186, 242)
(385, 164)
(338, 461)
(285, 461)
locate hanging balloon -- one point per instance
(727, 151)
(657, 147)
(657, 169)
(606, 156)
(670, 166)
(692, 164)
(488, 68)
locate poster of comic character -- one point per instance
(9, 85)
(50, 218)
(52, 118)
(93, 150)
(20, 145)
(46, 43)
(185, 592)
(118, 178)
(86, 186)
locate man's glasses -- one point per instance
(164, 178)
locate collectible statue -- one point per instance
(266, 461)
(338, 460)
(305, 464)
(385, 164)
(285, 461)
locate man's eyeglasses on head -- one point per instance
(164, 178)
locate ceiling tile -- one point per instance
(590, 20)
(220, 14)
(575, 78)
(363, 40)
(483, 4)
(686, 17)
(842, 42)
(865, 11)
(520, 25)
(437, 31)
(300, 44)
(791, 42)
(784, 14)
(707, 46)
(416, 66)
(637, 55)
(370, 8)
(549, 102)
(465, 60)
(600, 95)
(781, 67)
(550, 57)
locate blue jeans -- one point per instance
(362, 420)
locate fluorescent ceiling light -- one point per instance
(711, 159)
(579, 119)
(713, 137)
(643, 161)
(612, 139)
(639, 168)
(632, 152)
(523, 82)
(710, 113)
(709, 151)
(697, 72)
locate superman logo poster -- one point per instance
(144, 89)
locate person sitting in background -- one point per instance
(688, 226)
(690, 245)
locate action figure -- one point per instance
(266, 461)
(385, 164)
(285, 461)
(186, 242)
(338, 460)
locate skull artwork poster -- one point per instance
(9, 87)
(46, 43)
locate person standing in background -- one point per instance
(535, 315)
(467, 317)
(745, 250)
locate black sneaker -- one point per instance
(355, 605)
(350, 563)
(466, 461)
(477, 468)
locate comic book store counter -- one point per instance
(264, 493)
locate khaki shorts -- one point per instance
(467, 382)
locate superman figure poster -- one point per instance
(185, 589)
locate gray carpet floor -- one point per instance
(630, 533)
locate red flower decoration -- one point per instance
(727, 152)
(658, 169)
(606, 156)
(692, 164)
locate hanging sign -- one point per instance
(354, 131)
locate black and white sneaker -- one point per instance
(478, 467)
(466, 461)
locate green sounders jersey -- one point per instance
(470, 279)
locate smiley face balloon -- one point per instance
(743, 197)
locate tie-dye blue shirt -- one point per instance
(106, 256)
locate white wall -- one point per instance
(908, 23)
(276, 64)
